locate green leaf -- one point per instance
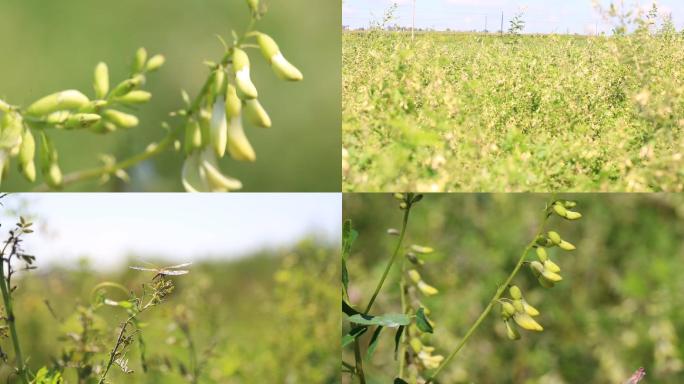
(373, 343)
(391, 320)
(348, 309)
(353, 334)
(422, 321)
(397, 339)
(349, 235)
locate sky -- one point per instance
(541, 16)
(107, 228)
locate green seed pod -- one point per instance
(530, 310)
(216, 180)
(541, 254)
(242, 74)
(27, 153)
(554, 237)
(511, 332)
(559, 209)
(101, 81)
(156, 62)
(256, 114)
(219, 127)
(551, 266)
(65, 100)
(282, 68)
(566, 246)
(414, 276)
(127, 85)
(233, 102)
(123, 120)
(572, 215)
(238, 145)
(515, 292)
(526, 321)
(139, 60)
(193, 136)
(81, 120)
(134, 97)
(507, 309)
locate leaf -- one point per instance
(373, 343)
(348, 309)
(349, 235)
(422, 321)
(353, 334)
(397, 339)
(391, 320)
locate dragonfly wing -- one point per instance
(178, 266)
(174, 273)
(143, 269)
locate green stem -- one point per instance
(404, 310)
(22, 371)
(499, 292)
(113, 353)
(391, 261)
(359, 362)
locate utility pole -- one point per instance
(413, 25)
(485, 24)
(502, 14)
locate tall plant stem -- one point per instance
(22, 371)
(357, 348)
(404, 309)
(499, 292)
(115, 350)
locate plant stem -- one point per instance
(499, 292)
(22, 371)
(114, 351)
(357, 348)
(391, 261)
(404, 309)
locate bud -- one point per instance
(551, 266)
(193, 135)
(233, 102)
(219, 127)
(572, 215)
(511, 332)
(4, 162)
(507, 309)
(127, 85)
(139, 60)
(54, 176)
(526, 321)
(393, 232)
(27, 153)
(4, 107)
(399, 196)
(282, 68)
(123, 120)
(242, 74)
(541, 254)
(256, 114)
(427, 289)
(554, 237)
(551, 276)
(81, 120)
(217, 181)
(155, 63)
(416, 344)
(134, 97)
(11, 129)
(569, 204)
(566, 246)
(253, 5)
(101, 82)
(238, 145)
(559, 209)
(65, 100)
(530, 310)
(219, 79)
(414, 276)
(518, 305)
(421, 249)
(192, 175)
(515, 292)
(403, 205)
(49, 158)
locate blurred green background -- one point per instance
(262, 319)
(50, 46)
(619, 307)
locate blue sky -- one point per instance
(542, 16)
(181, 227)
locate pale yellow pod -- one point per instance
(121, 119)
(65, 100)
(238, 145)
(219, 127)
(526, 321)
(256, 114)
(101, 81)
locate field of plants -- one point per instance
(485, 112)
(261, 319)
(605, 288)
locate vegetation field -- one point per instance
(476, 112)
(261, 319)
(618, 307)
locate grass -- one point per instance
(474, 112)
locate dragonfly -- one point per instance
(172, 270)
